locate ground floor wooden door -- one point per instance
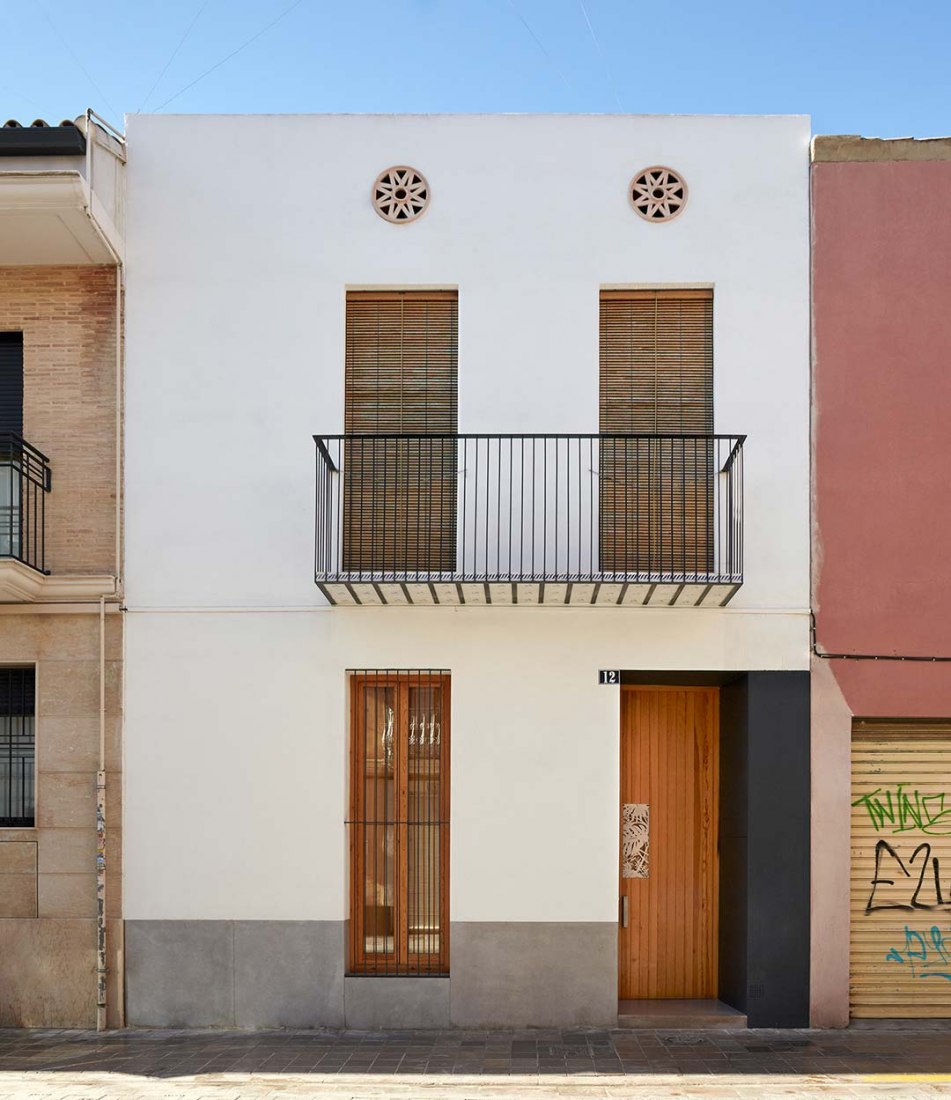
(668, 874)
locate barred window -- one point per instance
(17, 747)
(399, 822)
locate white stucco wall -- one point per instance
(236, 741)
(243, 236)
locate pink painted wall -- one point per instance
(882, 427)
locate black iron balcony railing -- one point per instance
(464, 509)
(25, 479)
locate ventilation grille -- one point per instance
(658, 194)
(400, 194)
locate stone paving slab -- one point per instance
(455, 1065)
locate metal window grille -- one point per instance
(17, 747)
(399, 822)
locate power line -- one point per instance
(26, 99)
(72, 54)
(234, 53)
(538, 43)
(181, 42)
(604, 61)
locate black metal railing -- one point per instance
(426, 508)
(25, 479)
(17, 747)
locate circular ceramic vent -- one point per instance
(400, 194)
(658, 194)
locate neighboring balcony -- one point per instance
(25, 479)
(609, 520)
(25, 577)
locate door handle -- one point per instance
(625, 908)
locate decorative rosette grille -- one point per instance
(658, 194)
(400, 194)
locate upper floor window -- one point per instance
(11, 383)
(401, 393)
(658, 461)
(657, 361)
(24, 472)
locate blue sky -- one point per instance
(870, 67)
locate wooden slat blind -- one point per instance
(401, 379)
(656, 377)
(657, 361)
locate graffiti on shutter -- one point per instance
(901, 872)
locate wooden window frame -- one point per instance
(400, 962)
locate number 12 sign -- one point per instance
(609, 676)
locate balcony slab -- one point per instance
(662, 592)
(20, 583)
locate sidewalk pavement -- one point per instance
(504, 1065)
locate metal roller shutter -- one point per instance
(11, 382)
(900, 954)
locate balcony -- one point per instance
(61, 193)
(605, 520)
(25, 479)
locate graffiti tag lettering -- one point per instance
(926, 954)
(906, 810)
(897, 884)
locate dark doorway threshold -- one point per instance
(688, 1015)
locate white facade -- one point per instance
(243, 236)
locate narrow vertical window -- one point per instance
(401, 414)
(11, 443)
(399, 822)
(17, 747)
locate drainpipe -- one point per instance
(101, 831)
(92, 121)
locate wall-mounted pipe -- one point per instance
(821, 653)
(93, 123)
(101, 957)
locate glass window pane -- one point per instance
(379, 910)
(423, 814)
(9, 510)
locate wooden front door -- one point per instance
(668, 875)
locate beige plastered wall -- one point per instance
(831, 735)
(48, 873)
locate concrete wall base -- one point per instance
(259, 974)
